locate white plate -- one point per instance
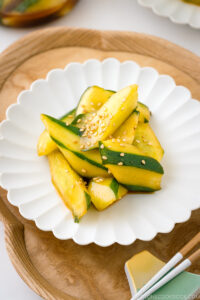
(178, 11)
(176, 121)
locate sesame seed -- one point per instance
(81, 129)
(122, 108)
(122, 154)
(124, 140)
(104, 157)
(149, 143)
(113, 140)
(72, 186)
(114, 124)
(137, 141)
(91, 103)
(143, 162)
(102, 146)
(124, 132)
(109, 172)
(83, 170)
(99, 104)
(124, 100)
(118, 140)
(67, 171)
(120, 163)
(67, 123)
(122, 145)
(109, 146)
(70, 116)
(79, 120)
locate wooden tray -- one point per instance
(57, 269)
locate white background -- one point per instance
(97, 14)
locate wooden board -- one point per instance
(58, 269)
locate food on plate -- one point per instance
(109, 117)
(135, 170)
(102, 150)
(69, 185)
(105, 191)
(144, 116)
(146, 141)
(45, 144)
(126, 132)
(67, 138)
(92, 99)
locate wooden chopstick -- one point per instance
(176, 271)
(172, 262)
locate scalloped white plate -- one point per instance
(178, 11)
(176, 121)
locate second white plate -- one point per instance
(178, 11)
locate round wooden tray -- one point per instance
(57, 269)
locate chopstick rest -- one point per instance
(173, 261)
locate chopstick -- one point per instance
(176, 271)
(173, 261)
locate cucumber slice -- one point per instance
(45, 144)
(147, 142)
(144, 111)
(69, 185)
(131, 167)
(67, 138)
(110, 116)
(105, 191)
(92, 99)
(126, 132)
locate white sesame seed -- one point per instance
(124, 132)
(99, 104)
(143, 162)
(122, 108)
(109, 146)
(79, 120)
(81, 129)
(122, 145)
(102, 146)
(67, 171)
(113, 140)
(83, 170)
(124, 140)
(137, 141)
(118, 140)
(109, 172)
(91, 103)
(120, 163)
(122, 154)
(104, 157)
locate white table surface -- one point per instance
(97, 14)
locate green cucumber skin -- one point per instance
(88, 200)
(138, 188)
(74, 122)
(67, 114)
(89, 87)
(76, 219)
(81, 156)
(133, 160)
(114, 185)
(71, 128)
